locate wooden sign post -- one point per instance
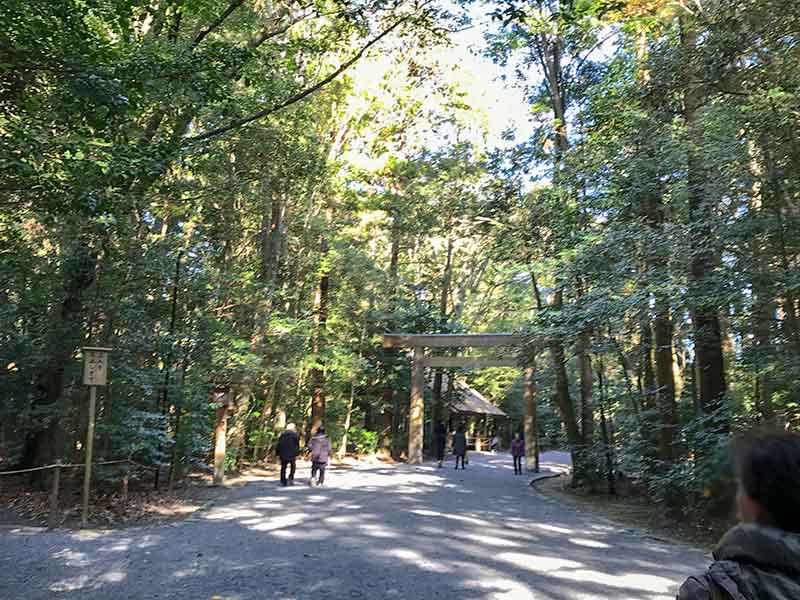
(95, 372)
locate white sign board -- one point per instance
(95, 366)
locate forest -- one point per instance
(249, 193)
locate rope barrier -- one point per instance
(76, 466)
(30, 470)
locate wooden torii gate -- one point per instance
(419, 341)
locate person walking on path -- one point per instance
(441, 442)
(495, 443)
(320, 454)
(759, 559)
(288, 448)
(518, 451)
(460, 446)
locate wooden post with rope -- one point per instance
(95, 373)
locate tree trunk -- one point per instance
(657, 264)
(604, 428)
(48, 443)
(703, 307)
(587, 407)
(626, 369)
(387, 418)
(278, 420)
(587, 387)
(764, 292)
(529, 418)
(444, 298)
(237, 433)
(650, 417)
(318, 372)
(567, 410)
(646, 368)
(389, 399)
(667, 408)
(178, 451)
(563, 399)
(272, 228)
(167, 359)
(320, 324)
(347, 419)
(763, 316)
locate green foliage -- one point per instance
(153, 201)
(363, 440)
(195, 261)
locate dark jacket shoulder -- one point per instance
(751, 563)
(288, 446)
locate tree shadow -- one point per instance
(405, 532)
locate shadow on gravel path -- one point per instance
(373, 532)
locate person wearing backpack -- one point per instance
(759, 559)
(320, 454)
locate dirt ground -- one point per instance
(22, 506)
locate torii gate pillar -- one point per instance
(416, 413)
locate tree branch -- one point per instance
(269, 30)
(590, 51)
(303, 94)
(201, 35)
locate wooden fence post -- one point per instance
(52, 515)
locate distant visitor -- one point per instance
(320, 454)
(441, 442)
(460, 446)
(288, 448)
(517, 452)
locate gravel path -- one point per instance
(372, 533)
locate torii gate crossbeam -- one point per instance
(418, 343)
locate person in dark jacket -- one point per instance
(288, 448)
(759, 559)
(460, 446)
(320, 454)
(518, 451)
(441, 441)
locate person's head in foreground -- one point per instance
(291, 427)
(759, 559)
(769, 482)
